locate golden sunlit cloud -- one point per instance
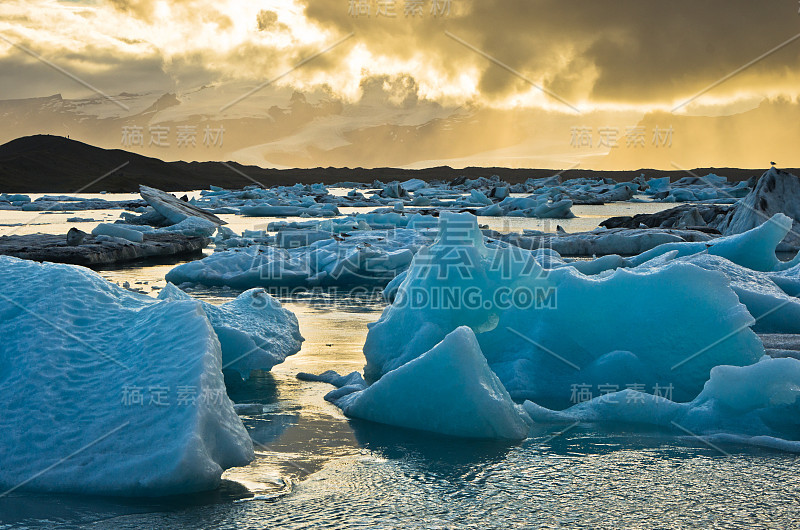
(587, 51)
(579, 63)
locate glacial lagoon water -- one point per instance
(317, 469)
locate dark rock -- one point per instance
(712, 214)
(94, 251)
(75, 237)
(777, 191)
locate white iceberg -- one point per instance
(106, 391)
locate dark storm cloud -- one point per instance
(633, 50)
(22, 75)
(626, 51)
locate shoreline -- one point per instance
(54, 164)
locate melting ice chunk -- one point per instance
(107, 391)
(448, 390)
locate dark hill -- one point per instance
(54, 164)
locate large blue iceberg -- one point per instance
(106, 391)
(544, 330)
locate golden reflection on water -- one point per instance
(300, 432)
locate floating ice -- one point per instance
(776, 192)
(106, 391)
(192, 226)
(372, 257)
(757, 404)
(414, 184)
(708, 188)
(314, 210)
(599, 242)
(104, 229)
(449, 389)
(774, 310)
(754, 249)
(542, 331)
(174, 209)
(255, 332)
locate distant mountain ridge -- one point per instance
(54, 164)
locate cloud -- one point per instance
(267, 20)
(628, 53)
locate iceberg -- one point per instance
(414, 184)
(754, 249)
(267, 210)
(693, 189)
(254, 331)
(705, 217)
(623, 241)
(535, 206)
(109, 392)
(542, 331)
(776, 192)
(110, 230)
(774, 310)
(243, 269)
(192, 226)
(363, 257)
(757, 404)
(449, 390)
(174, 209)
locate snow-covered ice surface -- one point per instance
(77, 354)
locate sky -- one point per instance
(412, 83)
